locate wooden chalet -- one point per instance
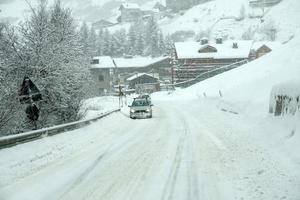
(195, 58)
(142, 79)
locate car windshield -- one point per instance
(140, 103)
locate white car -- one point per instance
(140, 108)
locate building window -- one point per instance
(95, 61)
(101, 78)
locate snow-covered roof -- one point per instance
(127, 5)
(190, 50)
(107, 62)
(271, 45)
(104, 62)
(139, 75)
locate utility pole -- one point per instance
(119, 84)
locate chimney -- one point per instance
(219, 40)
(235, 45)
(204, 41)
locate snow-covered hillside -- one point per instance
(219, 16)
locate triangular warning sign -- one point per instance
(29, 91)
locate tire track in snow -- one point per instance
(185, 151)
(83, 175)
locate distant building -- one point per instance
(108, 71)
(160, 7)
(143, 81)
(261, 48)
(102, 24)
(130, 12)
(177, 5)
(263, 3)
(195, 58)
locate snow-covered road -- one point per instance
(188, 151)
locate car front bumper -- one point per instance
(140, 114)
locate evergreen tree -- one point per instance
(131, 40)
(100, 42)
(119, 41)
(161, 43)
(107, 43)
(152, 38)
(84, 38)
(92, 42)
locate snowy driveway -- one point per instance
(188, 151)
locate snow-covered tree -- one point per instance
(119, 43)
(49, 51)
(84, 38)
(131, 40)
(152, 38)
(161, 43)
(242, 13)
(269, 29)
(107, 43)
(100, 42)
(92, 42)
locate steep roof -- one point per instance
(135, 62)
(190, 50)
(271, 45)
(127, 5)
(139, 75)
(103, 62)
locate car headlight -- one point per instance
(148, 110)
(132, 110)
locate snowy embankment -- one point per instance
(246, 93)
(94, 107)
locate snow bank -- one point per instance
(94, 107)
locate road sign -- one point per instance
(29, 92)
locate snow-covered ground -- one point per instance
(194, 147)
(190, 150)
(198, 145)
(94, 107)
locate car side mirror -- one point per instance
(129, 106)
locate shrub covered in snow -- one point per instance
(285, 98)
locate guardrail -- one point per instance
(208, 74)
(12, 140)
